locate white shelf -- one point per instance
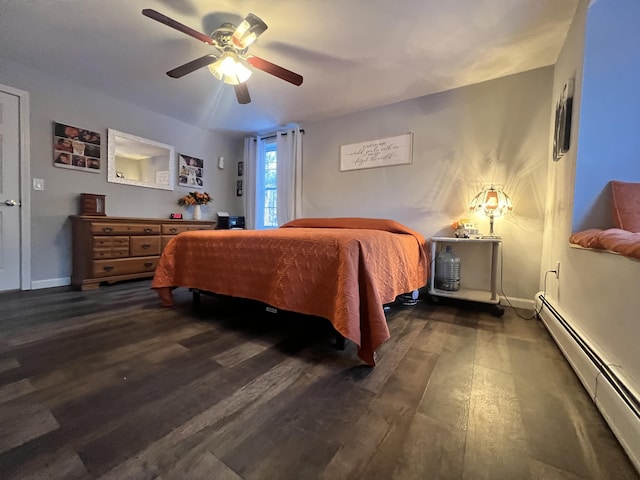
(466, 294)
(466, 240)
(490, 295)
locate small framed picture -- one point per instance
(76, 148)
(562, 128)
(239, 188)
(190, 171)
(240, 169)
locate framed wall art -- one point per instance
(190, 171)
(562, 127)
(76, 148)
(383, 152)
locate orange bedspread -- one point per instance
(344, 273)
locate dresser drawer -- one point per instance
(173, 229)
(110, 242)
(166, 239)
(124, 266)
(144, 246)
(100, 228)
(116, 252)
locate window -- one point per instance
(266, 203)
(274, 181)
(270, 186)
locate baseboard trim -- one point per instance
(50, 283)
(613, 395)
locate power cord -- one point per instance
(544, 291)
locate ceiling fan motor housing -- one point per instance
(222, 39)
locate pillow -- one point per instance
(626, 205)
(354, 223)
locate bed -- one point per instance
(341, 269)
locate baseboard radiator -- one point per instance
(615, 398)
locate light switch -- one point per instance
(38, 183)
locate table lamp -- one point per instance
(493, 203)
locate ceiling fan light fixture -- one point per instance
(231, 69)
(248, 31)
(234, 66)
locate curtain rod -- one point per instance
(274, 135)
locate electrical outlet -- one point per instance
(38, 184)
(557, 269)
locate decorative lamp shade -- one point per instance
(247, 32)
(492, 203)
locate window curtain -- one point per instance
(289, 174)
(252, 147)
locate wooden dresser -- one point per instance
(110, 249)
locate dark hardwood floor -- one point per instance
(106, 384)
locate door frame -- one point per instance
(25, 187)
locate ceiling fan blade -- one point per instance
(192, 66)
(275, 70)
(148, 12)
(242, 93)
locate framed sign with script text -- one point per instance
(383, 152)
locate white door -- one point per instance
(9, 192)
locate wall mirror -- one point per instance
(139, 161)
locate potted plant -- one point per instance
(195, 199)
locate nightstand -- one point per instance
(471, 246)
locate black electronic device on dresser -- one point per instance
(229, 222)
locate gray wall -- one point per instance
(52, 99)
(596, 292)
(497, 131)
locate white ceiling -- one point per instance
(353, 54)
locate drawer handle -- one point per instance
(107, 229)
(173, 229)
(148, 264)
(146, 245)
(148, 230)
(108, 268)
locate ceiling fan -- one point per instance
(232, 65)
